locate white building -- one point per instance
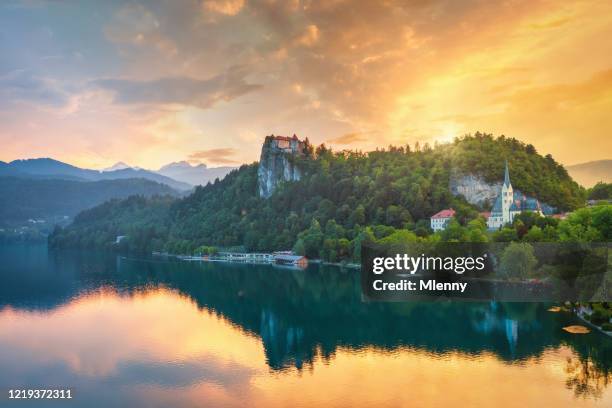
(440, 220)
(509, 203)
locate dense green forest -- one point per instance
(534, 175)
(600, 191)
(25, 198)
(343, 198)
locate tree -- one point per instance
(506, 234)
(587, 225)
(535, 234)
(600, 191)
(312, 239)
(517, 261)
(477, 230)
(299, 247)
(454, 232)
(357, 217)
(398, 242)
(422, 228)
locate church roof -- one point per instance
(522, 202)
(531, 204)
(506, 175)
(444, 214)
(497, 206)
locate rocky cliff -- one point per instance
(478, 192)
(276, 164)
(474, 188)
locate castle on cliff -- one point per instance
(286, 144)
(509, 203)
(275, 164)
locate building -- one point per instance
(293, 260)
(509, 203)
(252, 257)
(485, 214)
(287, 144)
(440, 220)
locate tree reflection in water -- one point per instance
(585, 378)
(304, 317)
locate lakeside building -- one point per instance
(251, 257)
(509, 203)
(293, 260)
(280, 258)
(440, 220)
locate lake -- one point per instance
(144, 332)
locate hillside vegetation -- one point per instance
(25, 198)
(534, 175)
(343, 198)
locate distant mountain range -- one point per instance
(183, 171)
(46, 200)
(195, 175)
(590, 173)
(50, 168)
(46, 188)
(119, 166)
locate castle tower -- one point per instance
(507, 196)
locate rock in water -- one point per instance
(577, 329)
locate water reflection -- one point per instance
(149, 333)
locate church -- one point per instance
(509, 203)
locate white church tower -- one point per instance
(507, 197)
(501, 213)
(508, 204)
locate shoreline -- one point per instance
(343, 265)
(588, 323)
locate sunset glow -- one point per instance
(148, 83)
(227, 366)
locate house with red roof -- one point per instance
(440, 220)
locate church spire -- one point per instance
(506, 175)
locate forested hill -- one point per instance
(26, 198)
(535, 175)
(338, 195)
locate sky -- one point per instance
(152, 82)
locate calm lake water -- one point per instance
(150, 333)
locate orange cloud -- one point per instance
(217, 156)
(309, 37)
(348, 138)
(395, 71)
(227, 7)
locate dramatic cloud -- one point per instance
(216, 156)
(348, 138)
(309, 37)
(154, 79)
(228, 7)
(23, 86)
(181, 90)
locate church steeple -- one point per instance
(506, 175)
